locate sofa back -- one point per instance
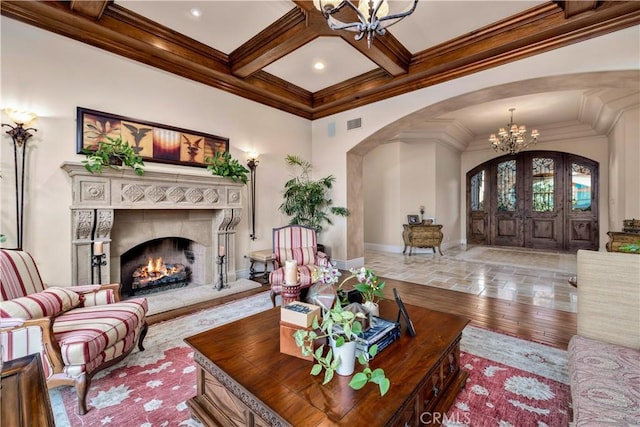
(609, 297)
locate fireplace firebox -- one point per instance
(159, 264)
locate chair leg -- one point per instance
(143, 333)
(81, 384)
(273, 298)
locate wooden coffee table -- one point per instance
(244, 380)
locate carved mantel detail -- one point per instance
(96, 198)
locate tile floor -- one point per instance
(526, 276)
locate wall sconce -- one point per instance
(252, 163)
(20, 135)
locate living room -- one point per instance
(52, 75)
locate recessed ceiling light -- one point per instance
(196, 13)
(319, 65)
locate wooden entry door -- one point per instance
(543, 201)
(534, 199)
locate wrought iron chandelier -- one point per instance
(373, 16)
(513, 138)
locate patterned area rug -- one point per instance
(512, 382)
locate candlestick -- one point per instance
(98, 248)
(291, 272)
(220, 250)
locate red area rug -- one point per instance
(512, 382)
(156, 394)
(500, 395)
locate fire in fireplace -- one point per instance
(159, 264)
(156, 273)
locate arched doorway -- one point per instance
(534, 199)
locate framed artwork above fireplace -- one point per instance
(152, 141)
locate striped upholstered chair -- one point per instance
(296, 242)
(78, 330)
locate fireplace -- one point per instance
(160, 264)
(189, 216)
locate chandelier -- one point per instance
(373, 16)
(514, 138)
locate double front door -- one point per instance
(534, 199)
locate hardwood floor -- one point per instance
(540, 324)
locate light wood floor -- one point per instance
(542, 324)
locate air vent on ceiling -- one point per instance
(354, 124)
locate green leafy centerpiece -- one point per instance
(341, 327)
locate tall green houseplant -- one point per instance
(306, 201)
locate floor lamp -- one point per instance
(20, 135)
(252, 163)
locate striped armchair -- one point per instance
(296, 242)
(77, 330)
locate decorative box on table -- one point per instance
(294, 316)
(299, 314)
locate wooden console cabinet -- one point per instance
(422, 236)
(617, 239)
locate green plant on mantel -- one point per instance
(112, 153)
(222, 164)
(349, 326)
(630, 248)
(307, 201)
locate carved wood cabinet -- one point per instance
(617, 239)
(422, 236)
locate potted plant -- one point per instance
(369, 285)
(306, 201)
(342, 328)
(112, 153)
(222, 164)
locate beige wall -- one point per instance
(624, 163)
(52, 75)
(401, 176)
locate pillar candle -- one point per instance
(291, 272)
(97, 248)
(220, 250)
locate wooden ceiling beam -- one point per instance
(92, 9)
(576, 7)
(540, 29)
(385, 51)
(285, 35)
(125, 33)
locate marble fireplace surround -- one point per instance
(123, 210)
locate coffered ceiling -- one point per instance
(265, 50)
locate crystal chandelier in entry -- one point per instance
(513, 138)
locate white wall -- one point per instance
(52, 75)
(624, 161)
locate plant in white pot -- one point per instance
(342, 328)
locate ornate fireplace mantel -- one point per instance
(96, 198)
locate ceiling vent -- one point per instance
(354, 124)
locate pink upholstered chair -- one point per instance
(296, 242)
(78, 330)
